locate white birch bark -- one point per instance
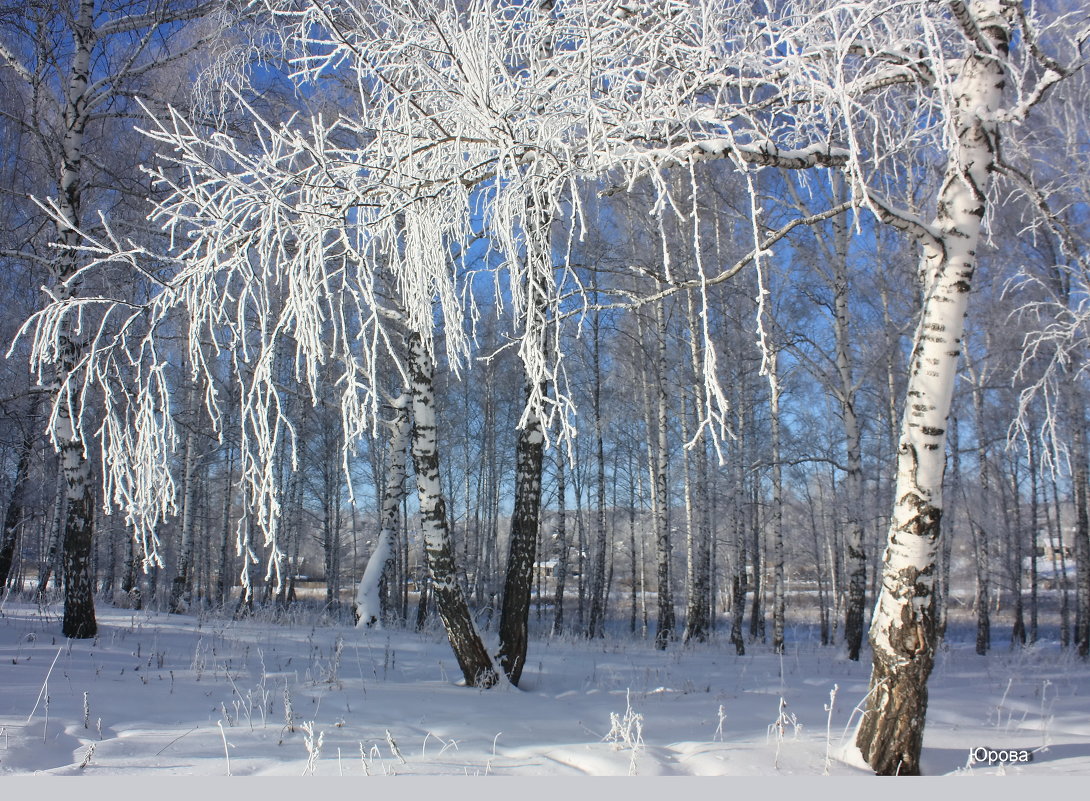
(563, 546)
(368, 607)
(664, 631)
(778, 590)
(595, 627)
(853, 479)
(699, 612)
(450, 600)
(182, 585)
(79, 606)
(902, 632)
(984, 519)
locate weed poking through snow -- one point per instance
(314, 747)
(829, 727)
(393, 747)
(778, 728)
(626, 731)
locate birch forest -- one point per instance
(686, 322)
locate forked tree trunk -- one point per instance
(368, 601)
(902, 633)
(450, 600)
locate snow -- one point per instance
(159, 687)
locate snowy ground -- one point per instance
(159, 694)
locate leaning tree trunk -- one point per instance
(368, 603)
(530, 447)
(450, 600)
(902, 633)
(515, 615)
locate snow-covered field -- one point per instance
(166, 694)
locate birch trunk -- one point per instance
(834, 249)
(79, 606)
(981, 528)
(562, 543)
(778, 604)
(1056, 539)
(13, 516)
(181, 587)
(224, 580)
(368, 607)
(1034, 512)
(664, 631)
(652, 482)
(1080, 476)
(530, 445)
(514, 617)
(1014, 562)
(853, 479)
(953, 488)
(902, 633)
(598, 574)
(756, 608)
(633, 467)
(738, 579)
(450, 600)
(698, 612)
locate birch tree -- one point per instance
(873, 74)
(903, 630)
(74, 63)
(367, 605)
